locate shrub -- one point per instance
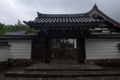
(115, 63)
(19, 62)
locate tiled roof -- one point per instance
(60, 19)
(17, 37)
(31, 37)
(104, 36)
(73, 18)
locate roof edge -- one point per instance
(96, 10)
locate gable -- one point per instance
(95, 12)
(107, 23)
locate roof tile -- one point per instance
(78, 18)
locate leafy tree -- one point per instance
(2, 29)
(19, 26)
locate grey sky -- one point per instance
(12, 10)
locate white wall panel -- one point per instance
(4, 50)
(102, 48)
(20, 49)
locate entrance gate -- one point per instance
(55, 26)
(42, 50)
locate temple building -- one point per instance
(97, 37)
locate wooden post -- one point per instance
(47, 50)
(81, 49)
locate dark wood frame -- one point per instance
(47, 35)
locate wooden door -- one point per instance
(38, 51)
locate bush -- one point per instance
(114, 64)
(19, 62)
(118, 46)
(64, 53)
(3, 65)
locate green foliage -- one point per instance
(64, 53)
(19, 62)
(62, 48)
(113, 63)
(16, 27)
(2, 29)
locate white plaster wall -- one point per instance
(20, 49)
(4, 50)
(102, 49)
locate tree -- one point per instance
(19, 26)
(2, 29)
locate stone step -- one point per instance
(64, 67)
(78, 78)
(67, 69)
(61, 74)
(57, 71)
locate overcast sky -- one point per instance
(12, 10)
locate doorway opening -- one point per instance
(63, 50)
